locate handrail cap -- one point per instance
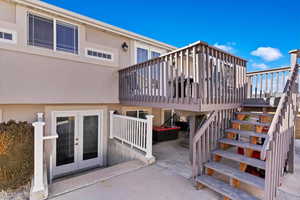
(297, 51)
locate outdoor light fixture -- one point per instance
(125, 46)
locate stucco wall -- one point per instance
(20, 112)
(28, 78)
(7, 11)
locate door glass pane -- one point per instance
(65, 128)
(131, 113)
(143, 114)
(90, 137)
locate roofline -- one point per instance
(91, 22)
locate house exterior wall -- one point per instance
(34, 79)
(7, 12)
(34, 75)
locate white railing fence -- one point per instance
(135, 132)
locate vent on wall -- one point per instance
(98, 54)
(7, 36)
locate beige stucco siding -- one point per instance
(26, 78)
(20, 112)
(7, 11)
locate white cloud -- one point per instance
(260, 66)
(226, 47)
(267, 53)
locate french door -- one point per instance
(78, 145)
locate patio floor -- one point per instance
(161, 181)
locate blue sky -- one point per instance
(261, 31)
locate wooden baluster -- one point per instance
(188, 86)
(267, 88)
(261, 85)
(277, 83)
(171, 79)
(182, 92)
(271, 90)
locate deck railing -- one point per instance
(278, 148)
(135, 132)
(195, 75)
(267, 83)
(207, 136)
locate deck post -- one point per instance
(111, 112)
(38, 183)
(192, 123)
(149, 136)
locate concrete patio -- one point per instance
(161, 181)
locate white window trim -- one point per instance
(101, 51)
(148, 48)
(54, 32)
(14, 36)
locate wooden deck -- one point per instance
(198, 77)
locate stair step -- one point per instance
(224, 188)
(241, 144)
(240, 158)
(256, 114)
(246, 133)
(258, 105)
(237, 174)
(251, 123)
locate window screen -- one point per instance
(40, 31)
(66, 37)
(142, 55)
(154, 54)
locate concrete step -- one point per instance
(251, 123)
(256, 114)
(224, 188)
(246, 133)
(240, 158)
(237, 174)
(241, 144)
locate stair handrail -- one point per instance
(198, 135)
(281, 106)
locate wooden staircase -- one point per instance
(240, 147)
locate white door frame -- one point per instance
(79, 163)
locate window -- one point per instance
(144, 53)
(99, 54)
(66, 37)
(7, 36)
(154, 54)
(41, 33)
(137, 113)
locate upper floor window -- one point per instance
(66, 37)
(7, 36)
(42, 33)
(143, 54)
